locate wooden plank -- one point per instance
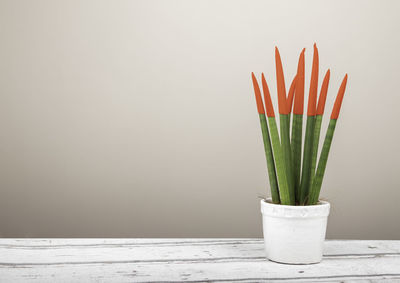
(240, 271)
(190, 260)
(331, 246)
(60, 250)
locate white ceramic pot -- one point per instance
(294, 234)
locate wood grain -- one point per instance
(188, 260)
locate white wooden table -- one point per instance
(189, 260)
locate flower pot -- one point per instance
(294, 234)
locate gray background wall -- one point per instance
(137, 118)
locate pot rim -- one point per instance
(269, 202)
(321, 209)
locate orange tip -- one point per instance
(280, 81)
(312, 98)
(299, 91)
(339, 99)
(289, 101)
(322, 95)
(267, 98)
(257, 92)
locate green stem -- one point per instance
(316, 186)
(306, 170)
(280, 163)
(297, 132)
(270, 160)
(285, 142)
(317, 131)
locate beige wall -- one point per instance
(137, 118)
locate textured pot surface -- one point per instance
(294, 234)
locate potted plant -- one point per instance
(294, 219)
